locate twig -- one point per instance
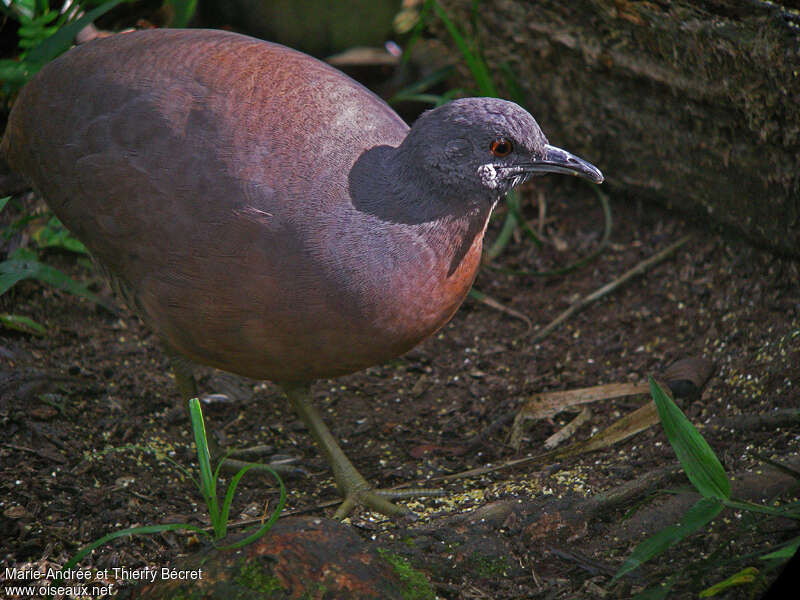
(609, 287)
(569, 429)
(492, 303)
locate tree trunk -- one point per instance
(692, 104)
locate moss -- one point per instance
(253, 576)
(415, 583)
(318, 591)
(489, 568)
(183, 594)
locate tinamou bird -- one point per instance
(265, 214)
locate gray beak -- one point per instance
(557, 160)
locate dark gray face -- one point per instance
(487, 145)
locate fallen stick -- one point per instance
(609, 287)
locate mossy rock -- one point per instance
(301, 557)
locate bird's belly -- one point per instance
(274, 328)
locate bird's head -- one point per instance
(486, 146)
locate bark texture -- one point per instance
(692, 104)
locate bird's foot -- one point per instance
(350, 483)
(357, 492)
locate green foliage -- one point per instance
(704, 470)
(252, 575)
(418, 91)
(22, 323)
(695, 519)
(24, 263)
(415, 584)
(44, 33)
(470, 52)
(695, 455)
(746, 576)
(182, 11)
(207, 484)
(54, 235)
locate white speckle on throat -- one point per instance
(489, 176)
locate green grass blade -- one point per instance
(229, 494)
(416, 92)
(424, 84)
(14, 270)
(601, 246)
(475, 63)
(786, 512)
(695, 518)
(515, 91)
(3, 202)
(270, 522)
(502, 239)
(183, 11)
(208, 483)
(746, 576)
(516, 208)
(416, 31)
(701, 465)
(22, 323)
(148, 529)
(784, 553)
(432, 99)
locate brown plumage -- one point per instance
(262, 212)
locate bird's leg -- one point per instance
(187, 386)
(184, 377)
(351, 485)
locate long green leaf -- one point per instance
(183, 11)
(131, 531)
(14, 270)
(232, 491)
(208, 483)
(509, 226)
(746, 576)
(475, 63)
(784, 553)
(270, 522)
(21, 323)
(701, 465)
(784, 511)
(62, 40)
(695, 518)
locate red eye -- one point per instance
(501, 147)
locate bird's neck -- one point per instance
(391, 187)
(454, 236)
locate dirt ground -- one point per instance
(99, 381)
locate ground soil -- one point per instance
(98, 382)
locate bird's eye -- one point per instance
(501, 147)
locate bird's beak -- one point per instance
(557, 160)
